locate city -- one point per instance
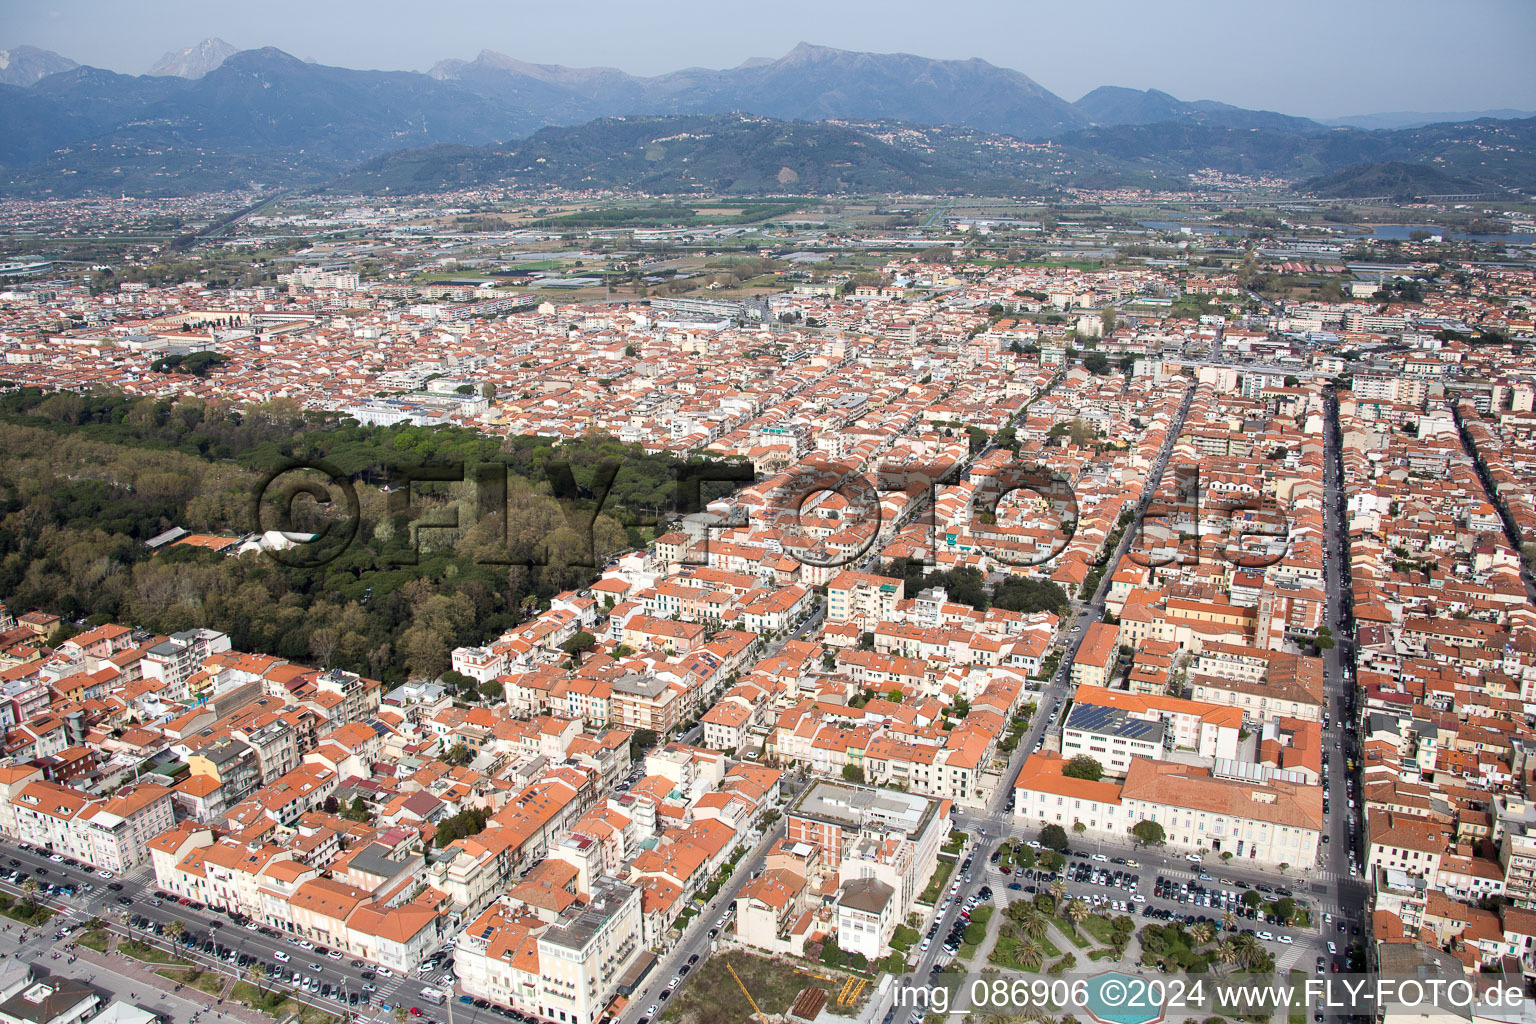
(951, 573)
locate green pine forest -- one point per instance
(87, 479)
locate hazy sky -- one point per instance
(1319, 58)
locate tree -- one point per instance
(1054, 837)
(402, 1015)
(1096, 363)
(176, 929)
(1228, 952)
(358, 810)
(641, 741)
(1058, 890)
(1083, 767)
(1149, 833)
(853, 773)
(1076, 912)
(331, 805)
(1030, 954)
(1078, 828)
(578, 643)
(457, 754)
(894, 696)
(1032, 922)
(257, 972)
(1052, 861)
(492, 691)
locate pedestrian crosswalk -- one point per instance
(1288, 957)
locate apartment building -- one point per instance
(862, 598)
(582, 957)
(112, 833)
(872, 833)
(1096, 655)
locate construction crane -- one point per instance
(763, 1017)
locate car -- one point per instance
(650, 1011)
(1285, 940)
(1266, 936)
(385, 972)
(56, 858)
(1332, 948)
(303, 943)
(467, 1000)
(115, 886)
(334, 954)
(315, 967)
(693, 959)
(104, 873)
(1100, 857)
(415, 1011)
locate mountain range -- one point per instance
(194, 61)
(207, 118)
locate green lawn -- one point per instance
(1099, 927)
(203, 981)
(1065, 927)
(278, 1004)
(149, 954)
(937, 883)
(1298, 1013)
(37, 915)
(93, 938)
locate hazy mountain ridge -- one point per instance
(265, 117)
(749, 154)
(194, 61)
(24, 65)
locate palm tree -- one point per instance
(1058, 890)
(1033, 923)
(1201, 932)
(176, 930)
(29, 892)
(1250, 953)
(1228, 952)
(1077, 913)
(1030, 954)
(257, 973)
(401, 1015)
